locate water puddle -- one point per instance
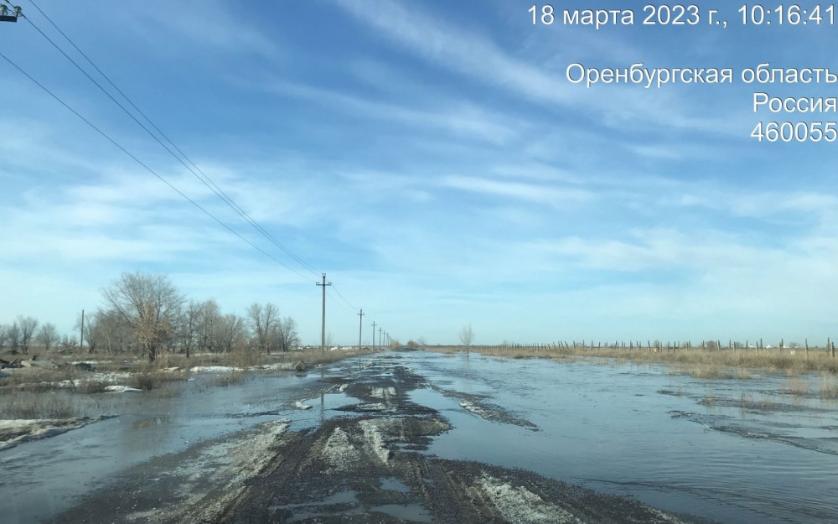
(393, 484)
(408, 512)
(41, 478)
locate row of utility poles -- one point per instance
(384, 338)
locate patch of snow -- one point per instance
(301, 405)
(374, 406)
(111, 377)
(339, 452)
(474, 408)
(115, 388)
(518, 504)
(214, 369)
(277, 366)
(374, 440)
(15, 431)
(383, 392)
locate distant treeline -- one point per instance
(146, 314)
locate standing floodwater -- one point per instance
(726, 450)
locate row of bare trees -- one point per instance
(147, 314)
(24, 332)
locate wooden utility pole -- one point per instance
(324, 285)
(360, 323)
(81, 332)
(373, 335)
(380, 336)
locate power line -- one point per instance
(344, 299)
(175, 151)
(180, 156)
(137, 160)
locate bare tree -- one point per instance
(110, 330)
(13, 336)
(209, 315)
(189, 326)
(92, 332)
(466, 335)
(4, 336)
(47, 336)
(150, 305)
(27, 325)
(286, 333)
(230, 333)
(263, 320)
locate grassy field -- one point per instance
(700, 363)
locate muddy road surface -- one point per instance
(367, 461)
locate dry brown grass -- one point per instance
(30, 405)
(71, 379)
(829, 387)
(696, 362)
(245, 359)
(62, 375)
(797, 386)
(91, 386)
(228, 379)
(707, 371)
(152, 377)
(36, 377)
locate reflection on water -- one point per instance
(43, 477)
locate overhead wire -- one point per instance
(133, 157)
(181, 157)
(175, 151)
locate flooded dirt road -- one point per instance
(415, 436)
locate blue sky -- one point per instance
(432, 159)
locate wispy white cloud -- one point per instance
(209, 24)
(476, 56)
(460, 118)
(457, 48)
(543, 194)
